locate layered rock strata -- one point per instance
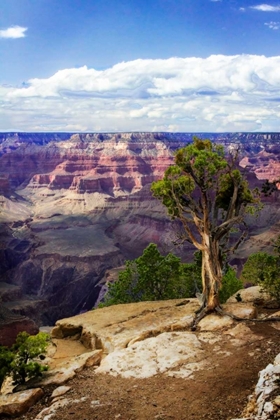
(73, 206)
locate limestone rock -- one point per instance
(19, 402)
(67, 370)
(242, 334)
(116, 327)
(241, 309)
(275, 324)
(263, 405)
(165, 353)
(215, 322)
(61, 390)
(49, 412)
(251, 294)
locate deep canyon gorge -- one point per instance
(75, 205)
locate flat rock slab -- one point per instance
(144, 339)
(162, 354)
(69, 368)
(116, 326)
(19, 402)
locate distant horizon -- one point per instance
(139, 132)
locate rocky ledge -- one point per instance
(147, 339)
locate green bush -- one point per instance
(151, 277)
(27, 348)
(6, 358)
(230, 285)
(22, 361)
(263, 269)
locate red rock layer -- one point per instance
(88, 165)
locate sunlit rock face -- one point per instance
(74, 205)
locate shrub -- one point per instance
(230, 285)
(152, 276)
(19, 360)
(26, 349)
(264, 269)
(6, 358)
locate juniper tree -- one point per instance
(209, 195)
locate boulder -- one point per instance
(215, 322)
(19, 402)
(61, 390)
(69, 368)
(262, 404)
(241, 310)
(49, 412)
(251, 294)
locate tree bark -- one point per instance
(211, 272)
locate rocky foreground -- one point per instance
(141, 361)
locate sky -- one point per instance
(139, 65)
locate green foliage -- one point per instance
(191, 273)
(210, 197)
(6, 358)
(256, 267)
(264, 269)
(26, 349)
(19, 360)
(151, 277)
(230, 285)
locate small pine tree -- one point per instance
(26, 349)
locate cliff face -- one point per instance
(73, 206)
(72, 209)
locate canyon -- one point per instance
(73, 206)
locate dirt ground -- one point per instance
(217, 394)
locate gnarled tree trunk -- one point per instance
(211, 272)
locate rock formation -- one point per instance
(153, 339)
(74, 205)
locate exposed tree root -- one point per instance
(203, 312)
(237, 318)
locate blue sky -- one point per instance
(139, 65)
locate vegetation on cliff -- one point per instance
(210, 197)
(23, 359)
(153, 276)
(263, 269)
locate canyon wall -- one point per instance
(74, 205)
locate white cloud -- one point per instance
(217, 93)
(273, 25)
(266, 8)
(13, 32)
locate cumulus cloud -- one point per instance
(273, 25)
(266, 8)
(13, 32)
(218, 93)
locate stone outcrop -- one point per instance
(19, 402)
(264, 403)
(143, 339)
(149, 338)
